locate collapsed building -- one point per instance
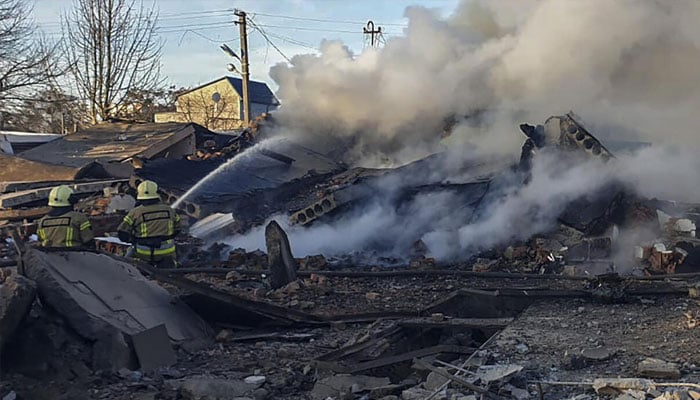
(534, 315)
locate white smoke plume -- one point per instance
(627, 64)
(630, 68)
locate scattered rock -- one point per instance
(256, 380)
(372, 296)
(499, 372)
(234, 276)
(655, 368)
(10, 396)
(313, 263)
(517, 393)
(614, 386)
(342, 383)
(597, 354)
(422, 263)
(434, 380)
(224, 335)
(386, 391)
(214, 389)
(416, 393)
(260, 394)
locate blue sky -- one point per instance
(193, 30)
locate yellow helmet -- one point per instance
(147, 190)
(60, 196)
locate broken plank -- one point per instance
(10, 200)
(189, 269)
(357, 347)
(453, 378)
(288, 337)
(18, 215)
(468, 323)
(16, 186)
(428, 351)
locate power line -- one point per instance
(262, 32)
(184, 13)
(292, 41)
(321, 19)
(303, 28)
(219, 23)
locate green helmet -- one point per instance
(60, 196)
(147, 190)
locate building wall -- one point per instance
(199, 107)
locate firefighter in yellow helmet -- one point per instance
(62, 227)
(151, 227)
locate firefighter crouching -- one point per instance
(62, 227)
(151, 227)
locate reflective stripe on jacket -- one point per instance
(152, 228)
(70, 229)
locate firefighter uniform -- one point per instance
(151, 227)
(63, 227)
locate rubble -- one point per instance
(346, 385)
(214, 388)
(16, 298)
(283, 266)
(397, 324)
(86, 289)
(654, 368)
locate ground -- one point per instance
(547, 339)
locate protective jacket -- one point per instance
(63, 227)
(151, 228)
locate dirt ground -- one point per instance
(545, 339)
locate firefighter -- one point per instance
(62, 227)
(151, 227)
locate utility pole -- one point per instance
(244, 64)
(369, 30)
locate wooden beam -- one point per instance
(428, 351)
(18, 215)
(10, 200)
(467, 323)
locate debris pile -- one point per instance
(577, 310)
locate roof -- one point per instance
(263, 166)
(112, 142)
(15, 169)
(28, 137)
(259, 92)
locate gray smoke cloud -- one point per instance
(631, 65)
(628, 67)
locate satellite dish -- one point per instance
(216, 97)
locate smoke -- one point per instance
(629, 67)
(627, 64)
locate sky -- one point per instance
(192, 31)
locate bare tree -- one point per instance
(200, 108)
(27, 62)
(112, 47)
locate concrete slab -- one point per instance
(93, 291)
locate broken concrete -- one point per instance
(214, 388)
(655, 368)
(283, 266)
(16, 296)
(337, 385)
(89, 289)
